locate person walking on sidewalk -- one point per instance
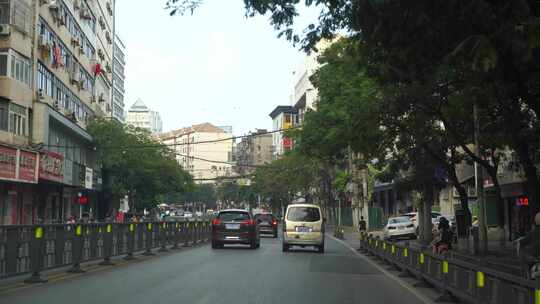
(361, 229)
(530, 244)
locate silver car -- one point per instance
(399, 227)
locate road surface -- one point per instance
(201, 275)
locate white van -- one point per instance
(303, 226)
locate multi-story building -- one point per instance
(118, 90)
(283, 118)
(305, 95)
(55, 74)
(253, 150)
(204, 150)
(140, 116)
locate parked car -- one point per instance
(235, 226)
(414, 216)
(399, 227)
(268, 223)
(188, 214)
(303, 226)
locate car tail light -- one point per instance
(274, 223)
(249, 222)
(216, 222)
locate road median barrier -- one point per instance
(33, 249)
(455, 279)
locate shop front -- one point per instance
(18, 179)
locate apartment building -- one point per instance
(204, 150)
(283, 118)
(140, 116)
(55, 75)
(119, 64)
(305, 95)
(253, 150)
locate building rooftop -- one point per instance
(139, 106)
(283, 109)
(201, 128)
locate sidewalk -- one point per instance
(501, 259)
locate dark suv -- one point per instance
(235, 226)
(268, 224)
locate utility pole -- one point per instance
(479, 181)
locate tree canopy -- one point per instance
(135, 164)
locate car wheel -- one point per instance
(215, 245)
(285, 247)
(321, 248)
(253, 244)
(275, 235)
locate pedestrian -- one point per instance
(530, 243)
(443, 241)
(72, 220)
(361, 229)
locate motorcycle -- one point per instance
(531, 269)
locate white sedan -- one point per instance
(399, 227)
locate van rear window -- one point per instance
(303, 214)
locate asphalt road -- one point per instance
(232, 275)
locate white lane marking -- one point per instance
(411, 289)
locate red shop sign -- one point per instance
(28, 166)
(51, 166)
(8, 162)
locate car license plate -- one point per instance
(303, 229)
(401, 228)
(232, 226)
(232, 238)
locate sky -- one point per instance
(213, 66)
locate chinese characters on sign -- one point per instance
(18, 165)
(8, 163)
(51, 167)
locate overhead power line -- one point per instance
(142, 146)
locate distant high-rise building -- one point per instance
(118, 91)
(140, 116)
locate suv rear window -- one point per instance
(233, 216)
(264, 217)
(303, 214)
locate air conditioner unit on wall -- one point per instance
(41, 95)
(5, 29)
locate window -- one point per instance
(4, 110)
(3, 64)
(229, 216)
(19, 68)
(17, 119)
(303, 214)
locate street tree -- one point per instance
(135, 164)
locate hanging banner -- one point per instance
(88, 180)
(28, 166)
(18, 165)
(8, 163)
(51, 166)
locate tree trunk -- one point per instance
(463, 195)
(425, 214)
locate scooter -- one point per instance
(532, 268)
